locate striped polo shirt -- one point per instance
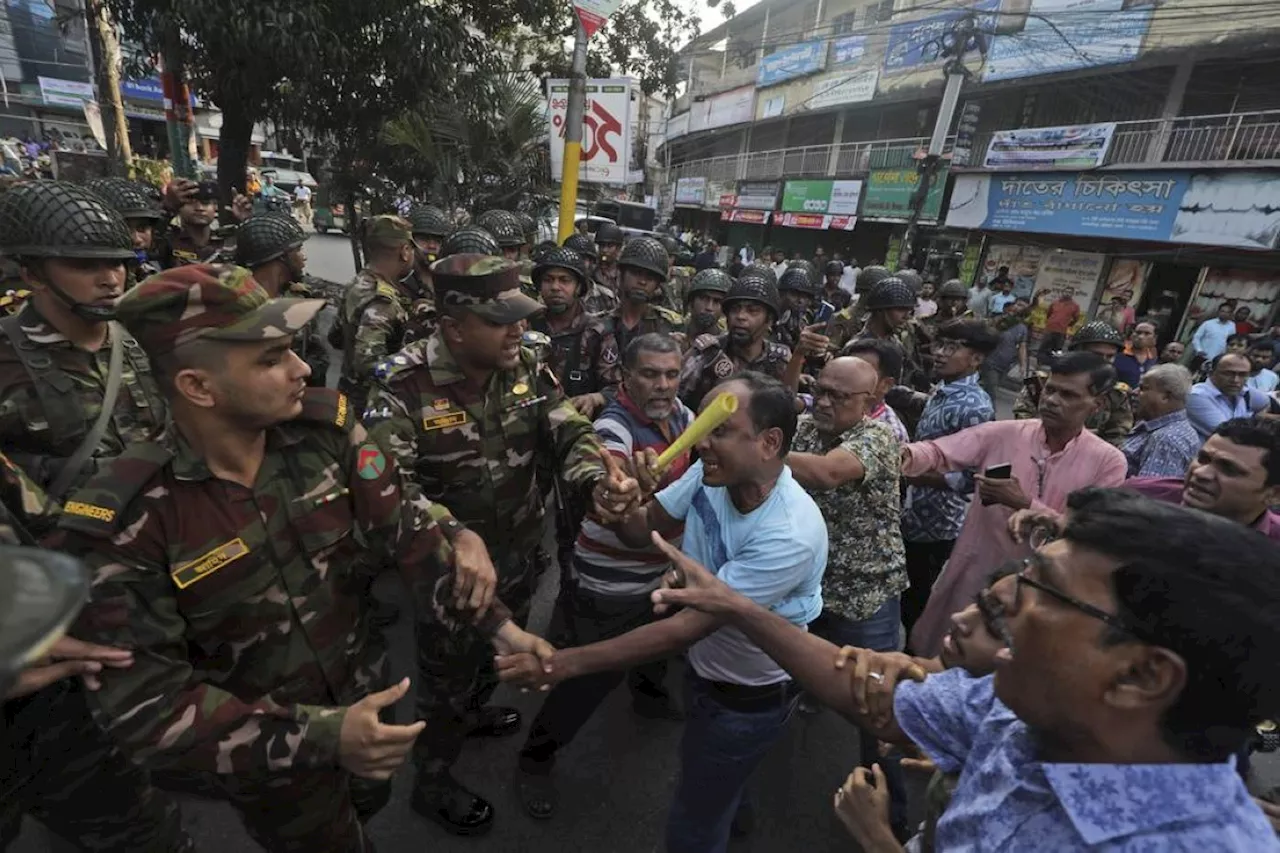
(604, 566)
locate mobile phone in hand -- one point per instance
(999, 472)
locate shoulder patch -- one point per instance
(384, 290)
(326, 406)
(673, 317)
(1122, 387)
(98, 507)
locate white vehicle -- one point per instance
(549, 229)
(287, 171)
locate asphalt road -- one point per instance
(616, 778)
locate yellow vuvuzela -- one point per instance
(720, 410)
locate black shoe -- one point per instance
(744, 821)
(442, 799)
(383, 614)
(656, 709)
(495, 721)
(537, 792)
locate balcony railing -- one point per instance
(1227, 138)
(809, 161)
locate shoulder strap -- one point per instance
(329, 407)
(98, 507)
(115, 372)
(53, 387)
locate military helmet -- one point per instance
(711, 280)
(610, 233)
(55, 219)
(797, 278)
(645, 253)
(430, 221)
(1097, 332)
(869, 277)
(760, 269)
(470, 240)
(564, 258)
(834, 268)
(753, 288)
(912, 278)
(671, 244)
(891, 292)
(582, 244)
(263, 238)
(528, 227)
(536, 253)
(805, 265)
(953, 289)
(504, 227)
(128, 198)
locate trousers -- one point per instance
(64, 771)
(589, 619)
(924, 563)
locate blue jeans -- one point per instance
(719, 751)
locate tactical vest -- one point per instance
(576, 372)
(56, 390)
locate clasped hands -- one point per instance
(625, 486)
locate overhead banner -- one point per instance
(55, 91)
(817, 221)
(844, 88)
(889, 191)
(733, 107)
(757, 195)
(795, 60)
(691, 192)
(606, 130)
(834, 197)
(847, 50)
(749, 217)
(914, 44)
(1066, 35)
(1082, 146)
(1239, 209)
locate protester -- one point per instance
(1172, 352)
(1243, 325)
(926, 306)
(1261, 376)
(1061, 315)
(1163, 442)
(706, 259)
(886, 358)
(979, 298)
(1010, 350)
(1003, 295)
(1048, 458)
(1224, 395)
(1130, 676)
(1210, 339)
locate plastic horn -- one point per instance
(720, 410)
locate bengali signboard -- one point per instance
(749, 217)
(757, 195)
(848, 50)
(1082, 146)
(889, 191)
(691, 192)
(1074, 273)
(716, 193)
(917, 43)
(817, 221)
(1065, 35)
(834, 197)
(846, 88)
(1230, 208)
(794, 60)
(55, 91)
(733, 107)
(593, 13)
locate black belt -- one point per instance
(750, 697)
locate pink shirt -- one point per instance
(1046, 478)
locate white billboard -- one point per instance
(606, 130)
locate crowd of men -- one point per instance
(1069, 614)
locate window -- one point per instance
(843, 24)
(880, 12)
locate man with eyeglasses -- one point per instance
(1129, 678)
(1224, 396)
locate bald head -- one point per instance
(846, 387)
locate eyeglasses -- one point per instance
(1023, 578)
(946, 347)
(838, 398)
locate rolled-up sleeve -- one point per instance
(943, 714)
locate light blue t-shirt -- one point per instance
(774, 555)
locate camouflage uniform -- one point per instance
(180, 249)
(677, 287)
(477, 452)
(915, 344)
(712, 362)
(600, 300)
(244, 604)
(584, 356)
(373, 317)
(307, 343)
(655, 319)
(1112, 422)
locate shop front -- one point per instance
(747, 219)
(886, 208)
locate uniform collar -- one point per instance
(441, 363)
(189, 465)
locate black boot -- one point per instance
(443, 799)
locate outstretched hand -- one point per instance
(616, 494)
(689, 584)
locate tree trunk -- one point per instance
(353, 230)
(106, 61)
(234, 138)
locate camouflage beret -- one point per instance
(388, 230)
(484, 285)
(208, 302)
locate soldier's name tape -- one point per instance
(340, 419)
(451, 419)
(185, 574)
(100, 513)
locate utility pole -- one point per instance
(955, 44)
(106, 64)
(573, 134)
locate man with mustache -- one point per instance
(703, 304)
(62, 358)
(751, 309)
(642, 269)
(609, 585)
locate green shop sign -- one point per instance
(839, 198)
(889, 192)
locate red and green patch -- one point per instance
(370, 463)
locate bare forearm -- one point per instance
(650, 642)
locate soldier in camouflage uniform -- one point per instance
(798, 291)
(750, 308)
(889, 307)
(141, 211)
(609, 240)
(643, 265)
(377, 304)
(228, 554)
(675, 291)
(703, 305)
(192, 240)
(270, 246)
(469, 414)
(430, 226)
(60, 767)
(1114, 420)
(831, 290)
(848, 322)
(529, 229)
(600, 300)
(56, 353)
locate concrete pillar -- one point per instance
(1172, 107)
(834, 160)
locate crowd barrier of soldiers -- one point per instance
(165, 419)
